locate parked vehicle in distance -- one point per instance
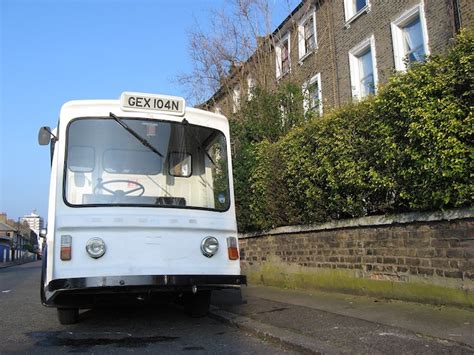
(141, 205)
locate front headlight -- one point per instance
(95, 247)
(209, 246)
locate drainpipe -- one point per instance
(336, 91)
(457, 16)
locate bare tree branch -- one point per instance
(232, 39)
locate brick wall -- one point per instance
(466, 8)
(323, 59)
(396, 248)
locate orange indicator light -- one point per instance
(232, 249)
(66, 243)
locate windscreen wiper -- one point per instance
(135, 134)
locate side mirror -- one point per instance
(43, 233)
(44, 136)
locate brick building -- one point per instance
(343, 50)
(13, 238)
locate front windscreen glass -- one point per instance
(145, 163)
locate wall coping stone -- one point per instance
(380, 220)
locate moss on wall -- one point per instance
(348, 281)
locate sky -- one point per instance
(53, 51)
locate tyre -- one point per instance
(42, 293)
(43, 277)
(68, 315)
(197, 305)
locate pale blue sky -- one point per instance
(53, 51)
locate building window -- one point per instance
(307, 40)
(282, 50)
(236, 99)
(363, 69)
(354, 8)
(250, 87)
(312, 95)
(410, 40)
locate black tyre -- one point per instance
(42, 293)
(43, 277)
(197, 305)
(68, 315)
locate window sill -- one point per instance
(283, 75)
(308, 54)
(364, 10)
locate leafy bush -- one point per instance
(242, 166)
(407, 149)
(429, 110)
(266, 118)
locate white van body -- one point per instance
(149, 187)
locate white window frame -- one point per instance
(306, 85)
(250, 86)
(278, 47)
(352, 16)
(302, 51)
(354, 55)
(399, 52)
(236, 99)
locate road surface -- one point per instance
(27, 326)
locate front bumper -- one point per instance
(84, 291)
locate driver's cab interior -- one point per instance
(182, 166)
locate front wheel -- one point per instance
(68, 315)
(197, 304)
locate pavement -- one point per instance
(14, 263)
(327, 323)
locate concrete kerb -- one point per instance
(14, 263)
(9, 264)
(448, 326)
(297, 342)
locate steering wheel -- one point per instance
(119, 193)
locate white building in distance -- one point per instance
(34, 221)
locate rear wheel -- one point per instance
(197, 304)
(43, 277)
(68, 315)
(42, 293)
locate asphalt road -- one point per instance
(28, 327)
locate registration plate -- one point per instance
(135, 101)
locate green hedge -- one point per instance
(409, 148)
